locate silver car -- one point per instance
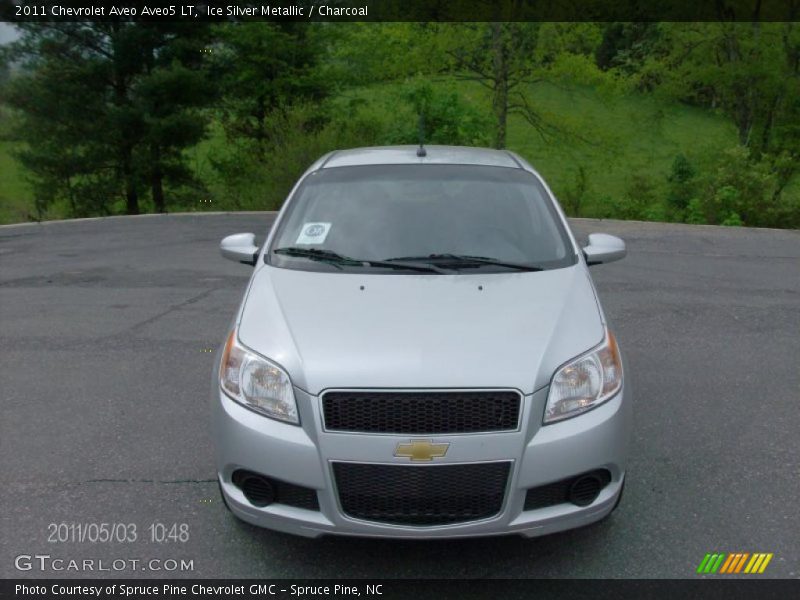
(421, 353)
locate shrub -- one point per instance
(681, 183)
(574, 194)
(695, 213)
(639, 197)
(733, 220)
(740, 184)
(447, 118)
(655, 212)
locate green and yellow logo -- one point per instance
(735, 562)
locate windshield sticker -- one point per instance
(313, 233)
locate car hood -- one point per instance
(355, 330)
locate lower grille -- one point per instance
(297, 495)
(421, 495)
(580, 490)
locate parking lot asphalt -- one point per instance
(106, 331)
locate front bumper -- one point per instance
(303, 456)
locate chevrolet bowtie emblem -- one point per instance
(421, 450)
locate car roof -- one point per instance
(407, 155)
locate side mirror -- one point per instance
(603, 248)
(240, 247)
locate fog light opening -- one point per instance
(585, 489)
(258, 490)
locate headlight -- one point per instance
(585, 382)
(256, 383)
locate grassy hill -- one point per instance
(16, 198)
(625, 144)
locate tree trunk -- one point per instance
(156, 179)
(131, 196)
(766, 134)
(125, 148)
(72, 206)
(500, 99)
(744, 120)
(501, 114)
(131, 193)
(260, 115)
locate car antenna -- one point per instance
(421, 152)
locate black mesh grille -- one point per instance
(421, 412)
(296, 495)
(580, 490)
(547, 495)
(421, 495)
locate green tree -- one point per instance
(170, 94)
(502, 58)
(268, 67)
(742, 68)
(273, 107)
(557, 39)
(106, 108)
(5, 72)
(751, 73)
(627, 46)
(443, 117)
(366, 53)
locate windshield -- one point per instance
(421, 219)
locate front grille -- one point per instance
(421, 495)
(421, 412)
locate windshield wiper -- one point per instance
(337, 260)
(467, 261)
(317, 254)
